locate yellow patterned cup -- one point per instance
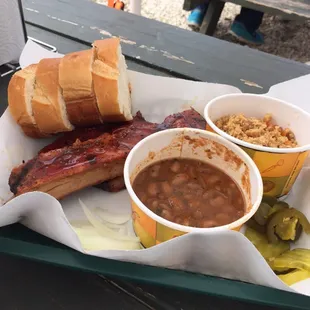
(196, 144)
(279, 167)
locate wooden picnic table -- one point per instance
(153, 48)
(289, 9)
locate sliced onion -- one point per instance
(102, 229)
(80, 224)
(91, 240)
(112, 217)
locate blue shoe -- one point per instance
(196, 16)
(239, 31)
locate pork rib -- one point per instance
(90, 156)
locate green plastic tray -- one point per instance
(19, 241)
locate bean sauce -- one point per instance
(190, 192)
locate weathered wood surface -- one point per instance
(294, 9)
(188, 5)
(212, 17)
(163, 47)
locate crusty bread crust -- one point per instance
(20, 92)
(106, 73)
(47, 102)
(75, 79)
(82, 89)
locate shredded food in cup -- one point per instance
(257, 131)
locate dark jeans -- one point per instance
(251, 19)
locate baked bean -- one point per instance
(176, 203)
(232, 185)
(208, 223)
(217, 187)
(229, 209)
(192, 172)
(218, 201)
(155, 204)
(143, 197)
(153, 189)
(178, 220)
(150, 201)
(239, 213)
(154, 173)
(194, 186)
(202, 181)
(198, 214)
(212, 179)
(175, 167)
(179, 179)
(189, 196)
(161, 196)
(190, 193)
(166, 187)
(164, 206)
(194, 204)
(222, 218)
(209, 194)
(167, 214)
(186, 222)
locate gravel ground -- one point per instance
(288, 39)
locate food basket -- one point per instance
(199, 270)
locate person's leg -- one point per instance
(196, 16)
(251, 19)
(245, 26)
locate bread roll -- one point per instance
(20, 93)
(75, 79)
(48, 105)
(111, 81)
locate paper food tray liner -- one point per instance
(226, 254)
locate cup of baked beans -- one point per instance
(189, 180)
(271, 131)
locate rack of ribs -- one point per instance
(90, 156)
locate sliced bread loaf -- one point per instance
(20, 93)
(111, 82)
(75, 79)
(48, 104)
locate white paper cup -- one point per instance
(279, 167)
(195, 144)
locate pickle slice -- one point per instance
(268, 251)
(288, 229)
(296, 259)
(283, 218)
(280, 205)
(261, 215)
(270, 200)
(294, 276)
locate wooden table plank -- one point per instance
(65, 45)
(291, 9)
(159, 45)
(212, 17)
